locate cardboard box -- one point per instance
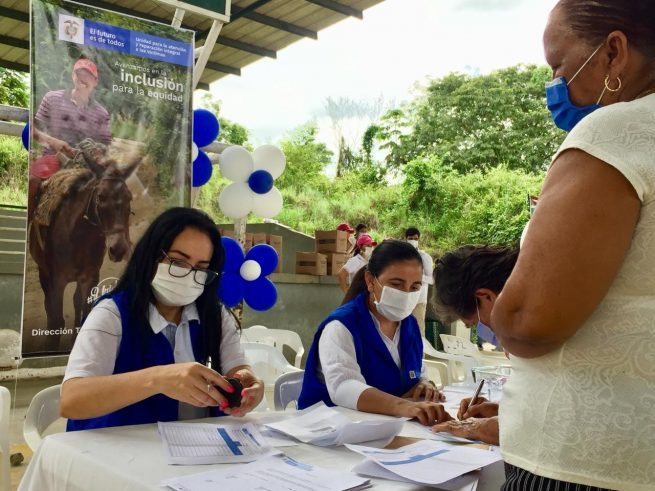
(335, 261)
(258, 238)
(248, 243)
(275, 241)
(279, 264)
(311, 263)
(331, 241)
(228, 233)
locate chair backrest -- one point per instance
(287, 390)
(277, 338)
(267, 362)
(437, 371)
(5, 416)
(42, 412)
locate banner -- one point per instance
(110, 149)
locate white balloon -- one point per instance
(236, 200)
(267, 205)
(270, 158)
(194, 152)
(236, 163)
(250, 270)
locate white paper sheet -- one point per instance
(414, 429)
(203, 443)
(271, 474)
(426, 462)
(323, 426)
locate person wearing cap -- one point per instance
(344, 227)
(361, 254)
(65, 118)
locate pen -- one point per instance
(475, 394)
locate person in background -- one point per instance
(141, 355)
(344, 227)
(576, 313)
(368, 353)
(361, 254)
(360, 229)
(413, 235)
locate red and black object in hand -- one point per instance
(234, 398)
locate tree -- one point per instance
(306, 157)
(479, 122)
(13, 88)
(231, 132)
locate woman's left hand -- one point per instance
(251, 395)
(425, 390)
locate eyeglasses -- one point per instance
(180, 269)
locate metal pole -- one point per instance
(207, 48)
(177, 18)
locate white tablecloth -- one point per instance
(132, 458)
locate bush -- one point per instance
(13, 171)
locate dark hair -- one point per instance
(384, 255)
(459, 273)
(412, 231)
(593, 20)
(142, 265)
(360, 226)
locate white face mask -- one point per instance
(414, 243)
(172, 291)
(352, 240)
(394, 304)
(367, 253)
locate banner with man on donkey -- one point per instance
(110, 149)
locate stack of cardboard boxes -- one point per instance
(275, 241)
(329, 256)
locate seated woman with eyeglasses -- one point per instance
(141, 355)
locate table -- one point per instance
(131, 458)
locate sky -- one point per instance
(396, 48)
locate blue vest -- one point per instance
(135, 354)
(373, 357)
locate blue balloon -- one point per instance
(260, 181)
(231, 290)
(202, 169)
(261, 294)
(233, 255)
(25, 136)
(205, 127)
(266, 256)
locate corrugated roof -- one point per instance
(257, 29)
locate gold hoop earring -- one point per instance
(607, 84)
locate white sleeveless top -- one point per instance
(586, 412)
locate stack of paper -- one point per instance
(323, 426)
(203, 443)
(270, 473)
(414, 429)
(426, 462)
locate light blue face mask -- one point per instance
(484, 331)
(565, 114)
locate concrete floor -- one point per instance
(22, 392)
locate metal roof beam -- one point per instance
(282, 25)
(248, 48)
(338, 7)
(219, 67)
(14, 14)
(12, 65)
(15, 42)
(241, 12)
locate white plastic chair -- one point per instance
(5, 417)
(462, 346)
(268, 363)
(287, 390)
(42, 412)
(277, 338)
(459, 366)
(437, 371)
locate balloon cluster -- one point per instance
(25, 136)
(252, 177)
(205, 131)
(244, 276)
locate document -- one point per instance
(323, 426)
(203, 443)
(414, 429)
(270, 474)
(425, 462)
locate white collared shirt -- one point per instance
(96, 347)
(338, 362)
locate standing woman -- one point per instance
(361, 254)
(368, 353)
(578, 311)
(141, 355)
